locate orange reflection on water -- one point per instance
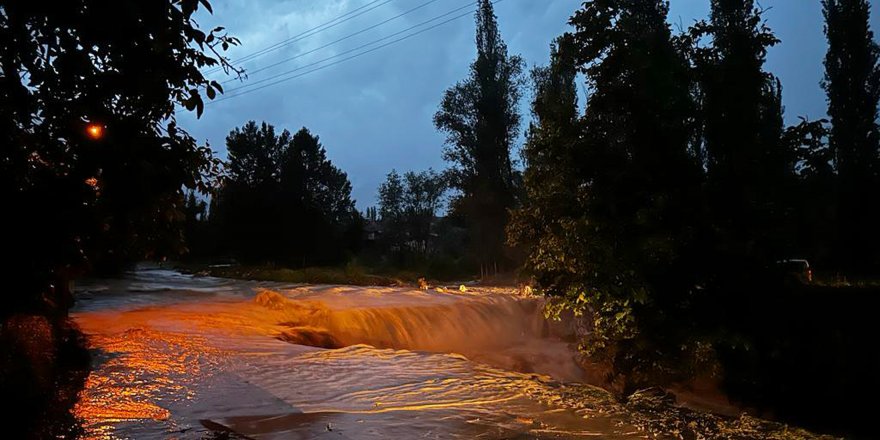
(135, 374)
(160, 370)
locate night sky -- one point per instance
(374, 112)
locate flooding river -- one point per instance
(186, 357)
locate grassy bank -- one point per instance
(350, 275)
(311, 275)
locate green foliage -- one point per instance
(612, 196)
(74, 201)
(283, 200)
(552, 139)
(660, 212)
(480, 119)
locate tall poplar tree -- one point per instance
(480, 118)
(747, 162)
(852, 82)
(613, 243)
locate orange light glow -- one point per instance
(95, 131)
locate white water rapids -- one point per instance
(177, 356)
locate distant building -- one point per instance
(372, 231)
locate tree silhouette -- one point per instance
(195, 230)
(614, 241)
(372, 214)
(248, 211)
(421, 202)
(852, 82)
(748, 166)
(283, 200)
(408, 206)
(80, 200)
(480, 118)
(391, 199)
(319, 213)
(93, 165)
(551, 154)
(815, 197)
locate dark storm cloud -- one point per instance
(373, 113)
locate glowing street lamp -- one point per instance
(95, 131)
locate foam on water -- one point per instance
(412, 364)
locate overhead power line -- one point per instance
(281, 77)
(308, 33)
(367, 29)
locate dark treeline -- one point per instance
(663, 209)
(281, 201)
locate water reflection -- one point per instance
(214, 361)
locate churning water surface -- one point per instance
(181, 356)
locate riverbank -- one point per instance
(354, 276)
(351, 274)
